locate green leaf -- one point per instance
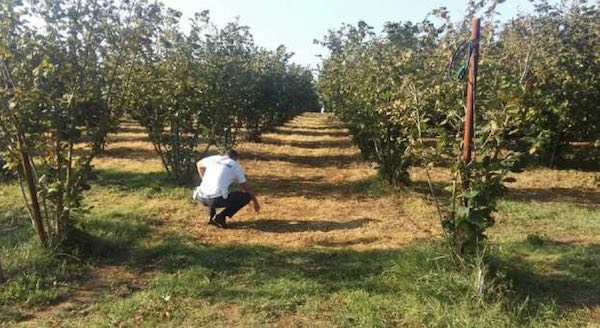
(470, 194)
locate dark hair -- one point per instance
(232, 154)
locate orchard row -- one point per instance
(71, 71)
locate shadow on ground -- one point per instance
(566, 273)
(547, 195)
(131, 180)
(127, 138)
(310, 132)
(311, 161)
(132, 128)
(576, 196)
(308, 125)
(288, 226)
(126, 152)
(317, 188)
(423, 187)
(159, 183)
(309, 144)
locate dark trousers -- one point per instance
(234, 202)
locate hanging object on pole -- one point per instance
(470, 101)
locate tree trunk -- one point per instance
(2, 278)
(176, 149)
(35, 213)
(554, 153)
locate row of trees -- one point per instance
(209, 85)
(72, 70)
(401, 96)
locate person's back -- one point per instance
(221, 172)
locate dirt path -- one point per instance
(316, 191)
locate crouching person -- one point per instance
(218, 173)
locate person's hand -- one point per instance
(256, 207)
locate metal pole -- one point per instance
(470, 102)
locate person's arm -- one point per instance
(245, 187)
(201, 169)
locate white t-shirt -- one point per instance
(221, 171)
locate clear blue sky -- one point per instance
(296, 23)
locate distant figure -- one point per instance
(218, 173)
(322, 108)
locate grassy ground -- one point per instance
(331, 247)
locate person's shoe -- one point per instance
(219, 221)
(210, 215)
(211, 221)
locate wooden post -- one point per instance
(470, 102)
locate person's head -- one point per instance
(232, 154)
